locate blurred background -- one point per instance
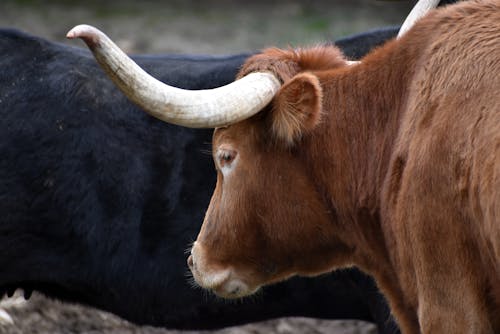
(187, 26)
(209, 26)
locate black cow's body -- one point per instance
(98, 201)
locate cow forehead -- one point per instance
(238, 135)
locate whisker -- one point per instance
(206, 151)
(187, 250)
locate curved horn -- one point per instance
(192, 108)
(421, 8)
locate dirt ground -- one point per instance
(189, 26)
(43, 316)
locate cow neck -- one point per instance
(349, 155)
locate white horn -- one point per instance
(421, 8)
(198, 108)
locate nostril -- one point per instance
(190, 262)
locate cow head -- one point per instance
(266, 220)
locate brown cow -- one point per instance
(392, 165)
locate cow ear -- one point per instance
(296, 108)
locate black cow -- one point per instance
(99, 201)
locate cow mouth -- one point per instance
(233, 289)
(223, 282)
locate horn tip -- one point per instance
(87, 33)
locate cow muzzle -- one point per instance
(224, 282)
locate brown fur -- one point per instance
(285, 64)
(398, 172)
(296, 108)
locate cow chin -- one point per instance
(223, 282)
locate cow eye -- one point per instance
(226, 157)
